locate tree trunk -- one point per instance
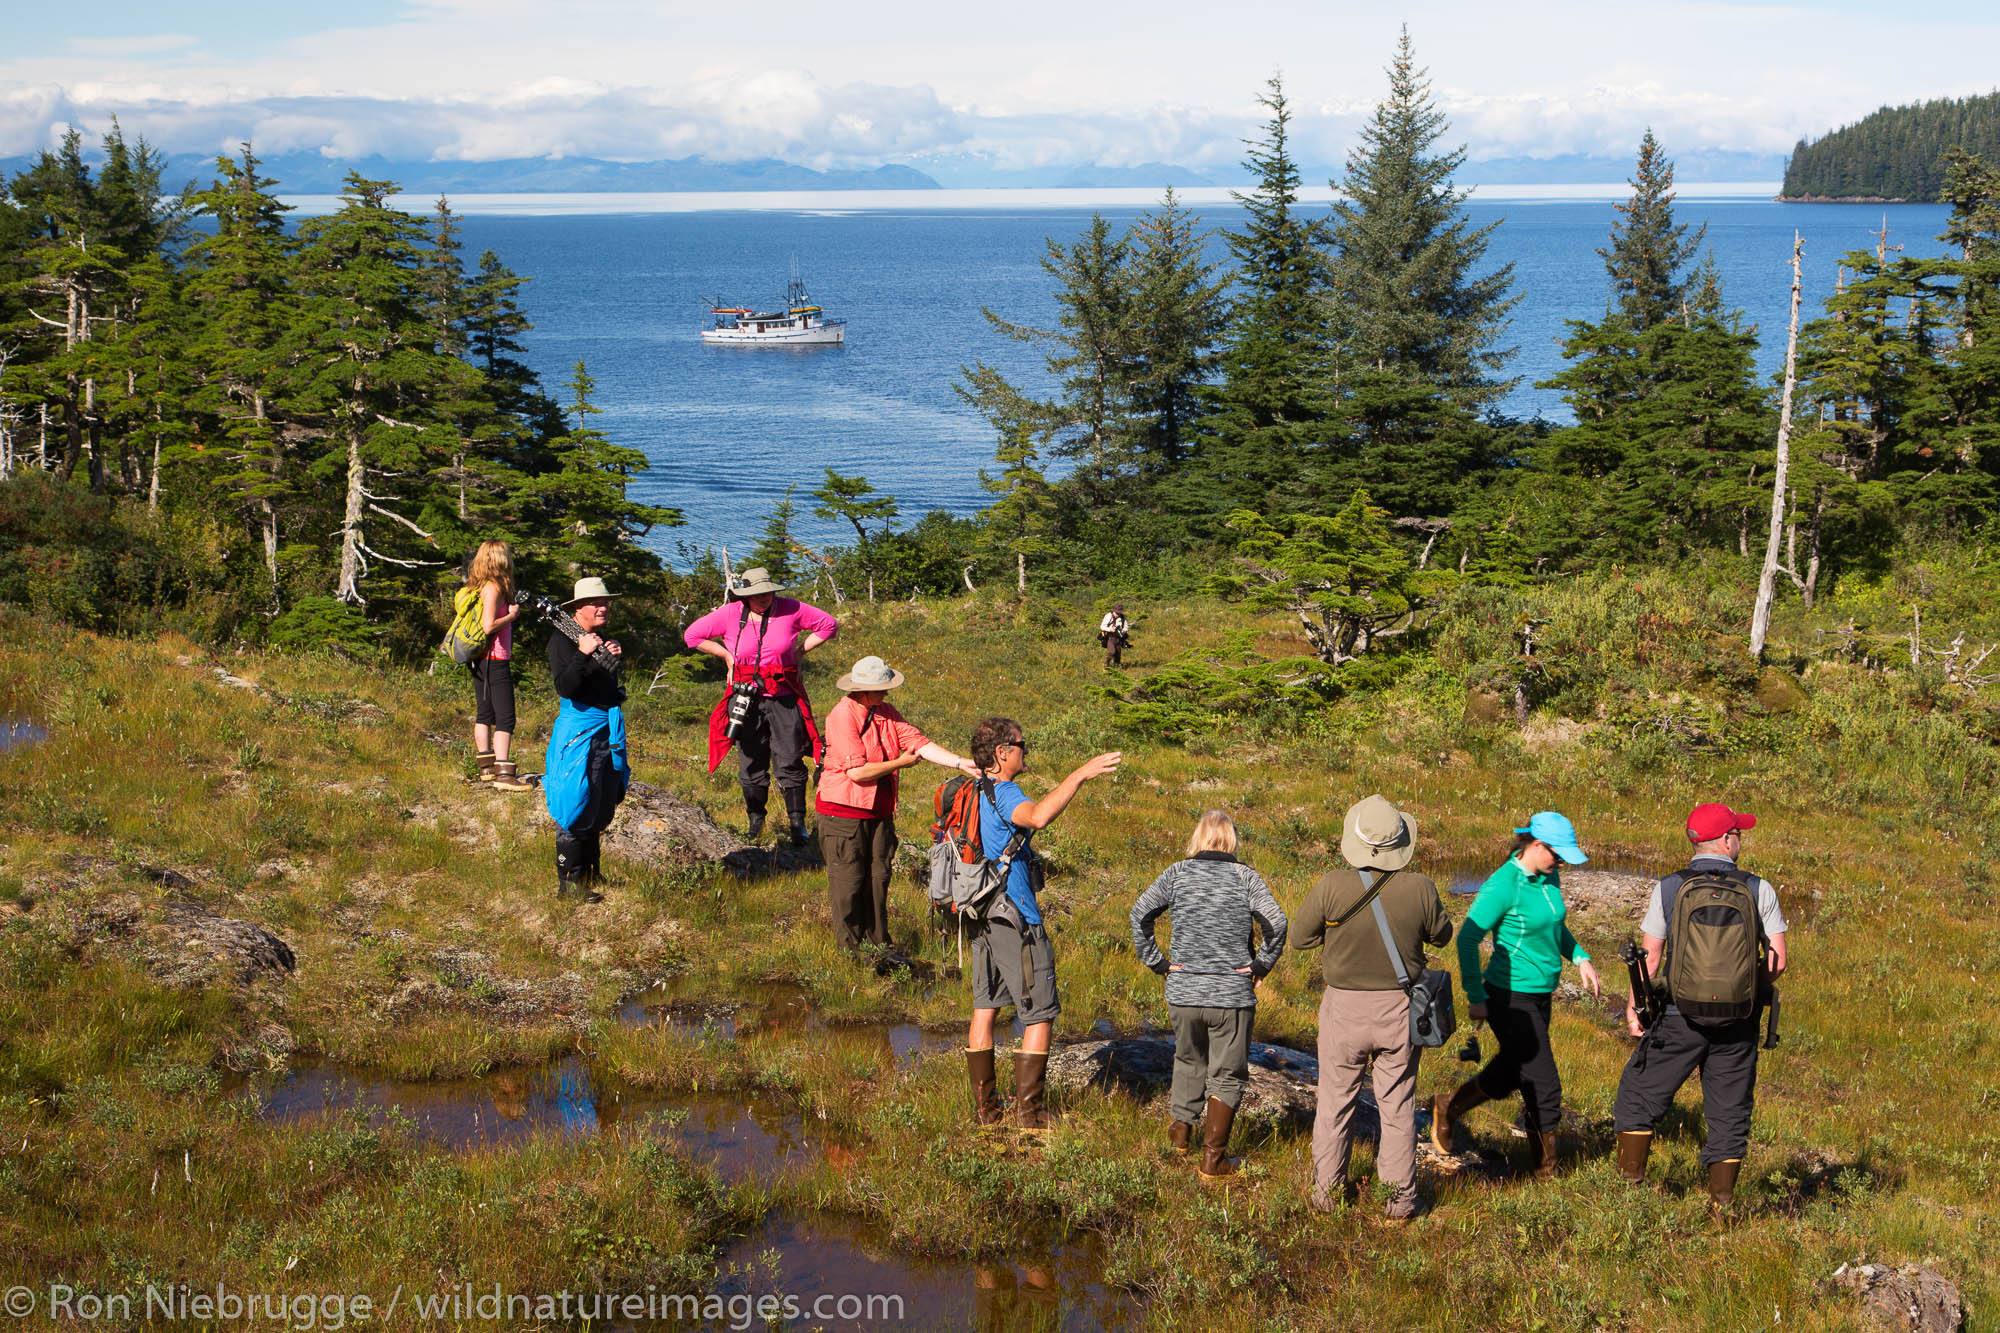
(1021, 571)
(966, 574)
(1767, 579)
(348, 589)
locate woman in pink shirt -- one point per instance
(762, 638)
(867, 744)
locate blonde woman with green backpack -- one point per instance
(489, 577)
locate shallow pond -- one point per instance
(20, 733)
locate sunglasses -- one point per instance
(1020, 744)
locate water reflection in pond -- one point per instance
(782, 1011)
(20, 733)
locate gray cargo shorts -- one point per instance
(1014, 964)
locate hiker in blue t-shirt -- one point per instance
(1012, 963)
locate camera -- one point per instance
(1469, 1052)
(743, 696)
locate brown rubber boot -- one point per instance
(1030, 1075)
(506, 778)
(1446, 1112)
(1215, 1160)
(1542, 1154)
(486, 765)
(1633, 1147)
(985, 1087)
(1180, 1135)
(1722, 1183)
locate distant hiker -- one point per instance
(1364, 1011)
(867, 744)
(1216, 901)
(1012, 963)
(489, 577)
(1722, 935)
(1113, 633)
(1521, 906)
(762, 637)
(588, 771)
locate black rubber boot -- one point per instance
(569, 865)
(754, 803)
(593, 869)
(795, 811)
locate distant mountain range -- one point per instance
(312, 173)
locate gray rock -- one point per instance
(663, 831)
(191, 945)
(1905, 1296)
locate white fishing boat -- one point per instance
(799, 324)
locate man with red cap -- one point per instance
(1730, 936)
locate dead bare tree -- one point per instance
(1767, 580)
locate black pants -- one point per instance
(860, 854)
(576, 846)
(1727, 1058)
(774, 737)
(493, 693)
(1524, 1063)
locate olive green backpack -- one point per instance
(1715, 944)
(466, 639)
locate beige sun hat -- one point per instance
(588, 590)
(1377, 836)
(870, 673)
(750, 582)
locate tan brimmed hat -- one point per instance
(750, 582)
(588, 590)
(1377, 836)
(870, 673)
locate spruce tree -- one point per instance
(777, 547)
(1648, 249)
(1177, 313)
(1021, 523)
(857, 503)
(593, 524)
(1418, 321)
(1273, 404)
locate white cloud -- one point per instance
(1042, 82)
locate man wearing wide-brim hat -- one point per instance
(1364, 1011)
(588, 770)
(762, 638)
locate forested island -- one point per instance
(1899, 154)
(252, 894)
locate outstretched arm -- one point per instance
(1040, 814)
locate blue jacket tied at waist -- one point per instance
(566, 786)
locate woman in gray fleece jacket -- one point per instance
(1212, 979)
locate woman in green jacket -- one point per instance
(1521, 907)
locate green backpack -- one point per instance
(1715, 944)
(465, 640)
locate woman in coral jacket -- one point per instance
(867, 744)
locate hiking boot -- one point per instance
(754, 828)
(1633, 1147)
(1542, 1154)
(1216, 1162)
(507, 777)
(1180, 1135)
(1722, 1183)
(1030, 1090)
(1446, 1112)
(486, 765)
(1405, 1206)
(985, 1088)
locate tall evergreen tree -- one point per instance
(1418, 320)
(1648, 249)
(1177, 313)
(1020, 524)
(586, 505)
(1273, 404)
(239, 284)
(777, 547)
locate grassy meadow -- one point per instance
(330, 805)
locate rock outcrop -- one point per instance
(1904, 1297)
(661, 830)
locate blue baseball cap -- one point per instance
(1558, 833)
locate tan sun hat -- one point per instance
(588, 590)
(1377, 836)
(870, 673)
(750, 582)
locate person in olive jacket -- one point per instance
(1364, 1012)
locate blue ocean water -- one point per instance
(728, 429)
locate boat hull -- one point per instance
(818, 335)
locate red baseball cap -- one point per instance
(1708, 822)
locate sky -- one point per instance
(1008, 87)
